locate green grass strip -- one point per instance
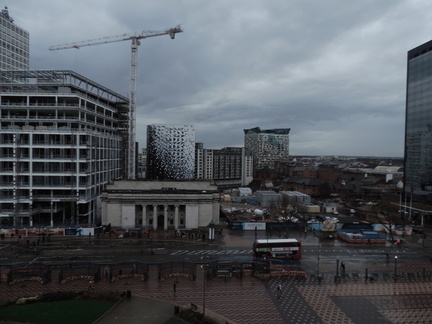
(65, 312)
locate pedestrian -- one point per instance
(342, 268)
(279, 289)
(90, 287)
(174, 286)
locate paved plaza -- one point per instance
(357, 298)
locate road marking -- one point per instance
(32, 261)
(209, 252)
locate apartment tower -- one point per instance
(267, 146)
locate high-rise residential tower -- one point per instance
(14, 44)
(418, 123)
(61, 141)
(267, 146)
(228, 167)
(170, 152)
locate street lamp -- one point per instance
(318, 255)
(205, 266)
(395, 268)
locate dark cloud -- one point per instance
(332, 71)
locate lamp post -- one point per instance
(337, 267)
(204, 267)
(318, 255)
(395, 268)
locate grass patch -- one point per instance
(65, 312)
(60, 307)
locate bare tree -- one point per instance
(279, 207)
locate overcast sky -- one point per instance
(332, 71)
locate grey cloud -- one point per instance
(332, 71)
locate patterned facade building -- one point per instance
(418, 123)
(170, 152)
(267, 146)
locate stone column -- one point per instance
(155, 217)
(52, 215)
(165, 217)
(144, 215)
(176, 217)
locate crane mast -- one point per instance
(135, 43)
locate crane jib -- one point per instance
(130, 156)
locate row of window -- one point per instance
(10, 28)
(59, 139)
(53, 181)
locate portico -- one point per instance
(160, 204)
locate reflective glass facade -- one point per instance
(418, 127)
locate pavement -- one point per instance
(375, 298)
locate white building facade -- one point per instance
(59, 145)
(229, 166)
(14, 44)
(160, 205)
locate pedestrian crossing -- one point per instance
(211, 252)
(306, 251)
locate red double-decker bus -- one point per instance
(277, 248)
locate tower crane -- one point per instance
(135, 42)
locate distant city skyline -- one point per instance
(334, 72)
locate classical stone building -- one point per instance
(160, 204)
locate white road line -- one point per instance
(210, 252)
(32, 261)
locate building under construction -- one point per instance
(61, 140)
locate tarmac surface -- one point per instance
(358, 298)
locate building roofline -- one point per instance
(61, 77)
